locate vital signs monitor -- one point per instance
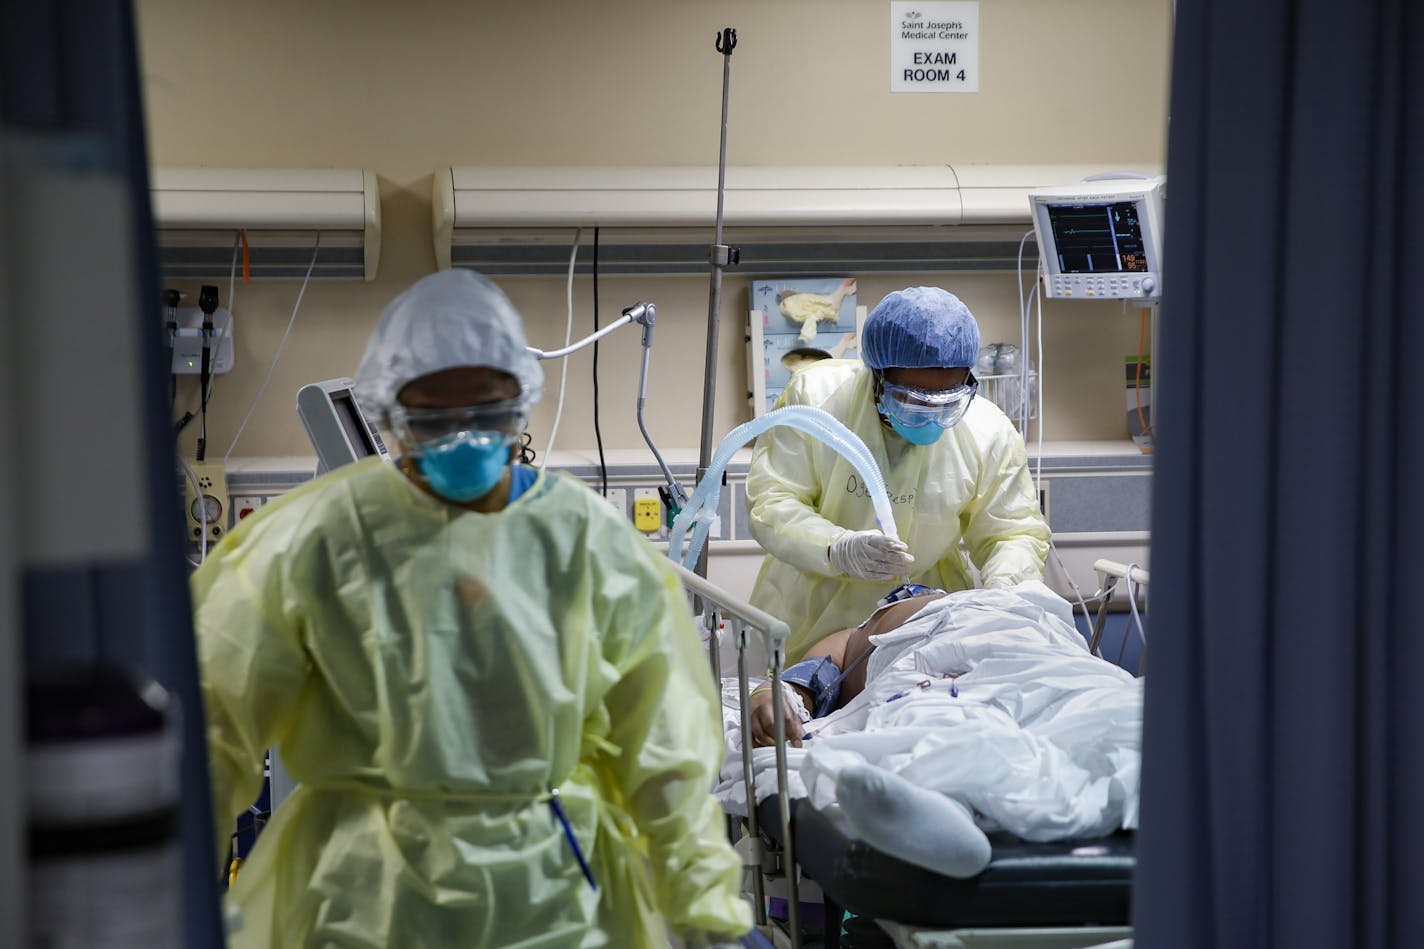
(1101, 239)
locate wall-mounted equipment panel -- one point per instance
(202, 214)
(505, 220)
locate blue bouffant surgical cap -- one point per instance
(448, 319)
(920, 328)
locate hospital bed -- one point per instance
(1069, 894)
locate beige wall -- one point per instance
(404, 88)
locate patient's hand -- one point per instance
(764, 722)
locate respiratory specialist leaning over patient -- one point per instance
(954, 468)
(487, 685)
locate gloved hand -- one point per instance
(870, 555)
(999, 583)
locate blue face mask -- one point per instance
(920, 435)
(464, 466)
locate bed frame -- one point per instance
(1068, 894)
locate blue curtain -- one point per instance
(1282, 784)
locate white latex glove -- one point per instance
(870, 555)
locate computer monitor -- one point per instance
(338, 430)
(1101, 239)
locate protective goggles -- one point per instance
(415, 427)
(915, 408)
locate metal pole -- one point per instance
(778, 708)
(721, 256)
(748, 775)
(12, 683)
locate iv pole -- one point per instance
(720, 256)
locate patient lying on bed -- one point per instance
(832, 672)
(953, 715)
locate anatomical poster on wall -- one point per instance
(794, 323)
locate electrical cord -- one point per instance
(239, 242)
(597, 429)
(1023, 337)
(1025, 304)
(1137, 383)
(208, 304)
(316, 249)
(1132, 587)
(170, 326)
(232, 272)
(568, 339)
(1042, 385)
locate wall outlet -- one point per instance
(209, 508)
(618, 498)
(245, 504)
(648, 511)
(1043, 500)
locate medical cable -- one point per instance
(850, 668)
(232, 271)
(568, 338)
(675, 495)
(316, 249)
(644, 314)
(1137, 383)
(597, 429)
(1024, 307)
(633, 314)
(1132, 608)
(1042, 384)
(1035, 301)
(170, 326)
(1038, 461)
(1023, 337)
(208, 304)
(202, 513)
(239, 244)
(1132, 588)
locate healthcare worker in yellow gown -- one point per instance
(954, 467)
(486, 683)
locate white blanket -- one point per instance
(1035, 734)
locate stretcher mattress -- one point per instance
(1064, 883)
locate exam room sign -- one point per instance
(934, 47)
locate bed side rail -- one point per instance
(745, 618)
(1110, 572)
